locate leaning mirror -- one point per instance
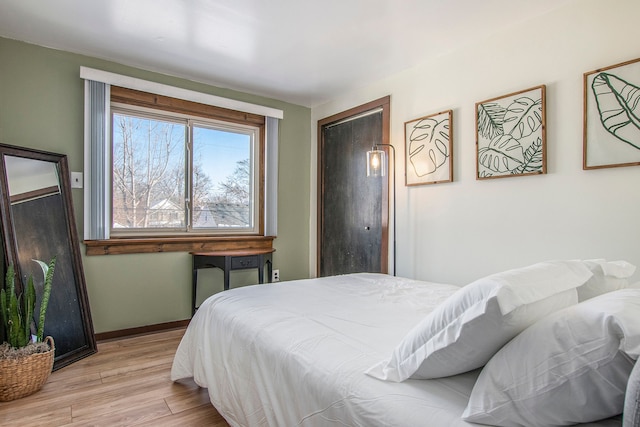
(38, 223)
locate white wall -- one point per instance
(457, 232)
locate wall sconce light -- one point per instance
(377, 166)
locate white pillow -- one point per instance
(607, 276)
(571, 367)
(470, 326)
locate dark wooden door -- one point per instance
(353, 208)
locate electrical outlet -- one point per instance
(76, 180)
(275, 275)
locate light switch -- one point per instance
(76, 180)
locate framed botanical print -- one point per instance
(511, 135)
(611, 130)
(429, 149)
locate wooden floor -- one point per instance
(127, 383)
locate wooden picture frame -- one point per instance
(611, 125)
(511, 135)
(429, 149)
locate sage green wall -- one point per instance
(41, 106)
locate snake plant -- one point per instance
(18, 310)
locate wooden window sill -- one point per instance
(176, 244)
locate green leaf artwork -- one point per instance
(490, 120)
(503, 154)
(533, 158)
(428, 144)
(511, 135)
(618, 103)
(523, 117)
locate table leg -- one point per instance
(260, 269)
(194, 290)
(227, 270)
(269, 268)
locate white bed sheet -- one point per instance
(295, 353)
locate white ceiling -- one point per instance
(301, 51)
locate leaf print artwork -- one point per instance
(429, 146)
(611, 125)
(533, 158)
(428, 143)
(618, 103)
(511, 135)
(503, 154)
(523, 117)
(490, 119)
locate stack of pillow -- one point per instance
(556, 340)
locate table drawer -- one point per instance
(239, 262)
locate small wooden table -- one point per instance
(231, 260)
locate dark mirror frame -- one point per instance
(75, 293)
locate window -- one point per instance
(223, 181)
(181, 218)
(182, 175)
(180, 170)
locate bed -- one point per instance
(327, 351)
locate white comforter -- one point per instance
(295, 353)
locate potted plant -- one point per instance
(26, 360)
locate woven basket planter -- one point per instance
(24, 376)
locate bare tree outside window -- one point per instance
(225, 159)
(148, 172)
(236, 187)
(153, 172)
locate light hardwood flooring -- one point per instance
(127, 383)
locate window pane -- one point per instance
(222, 179)
(148, 173)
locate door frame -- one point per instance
(384, 104)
